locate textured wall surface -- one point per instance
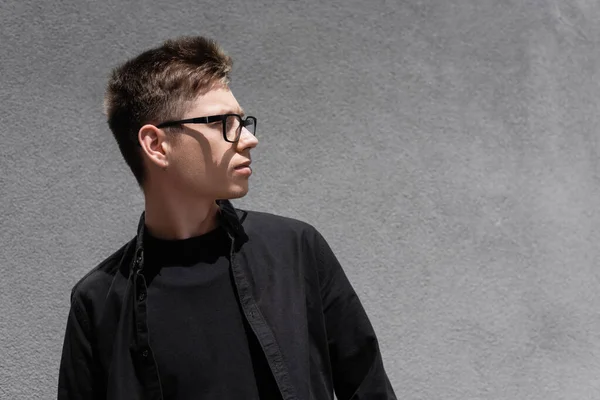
(447, 149)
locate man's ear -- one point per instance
(154, 144)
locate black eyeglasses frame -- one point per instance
(244, 122)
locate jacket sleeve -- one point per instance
(356, 361)
(77, 375)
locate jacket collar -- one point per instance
(228, 216)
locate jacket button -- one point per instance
(142, 296)
(145, 353)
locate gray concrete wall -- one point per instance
(447, 149)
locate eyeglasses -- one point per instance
(232, 124)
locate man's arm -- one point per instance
(357, 366)
(77, 374)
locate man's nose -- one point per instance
(247, 139)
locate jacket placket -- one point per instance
(145, 362)
(261, 329)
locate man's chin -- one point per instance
(235, 194)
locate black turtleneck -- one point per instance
(201, 342)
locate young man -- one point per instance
(208, 301)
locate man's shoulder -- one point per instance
(274, 224)
(279, 231)
(98, 280)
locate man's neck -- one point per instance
(173, 219)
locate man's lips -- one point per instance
(243, 165)
(243, 168)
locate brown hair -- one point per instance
(155, 86)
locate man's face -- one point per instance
(201, 162)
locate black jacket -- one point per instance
(304, 313)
